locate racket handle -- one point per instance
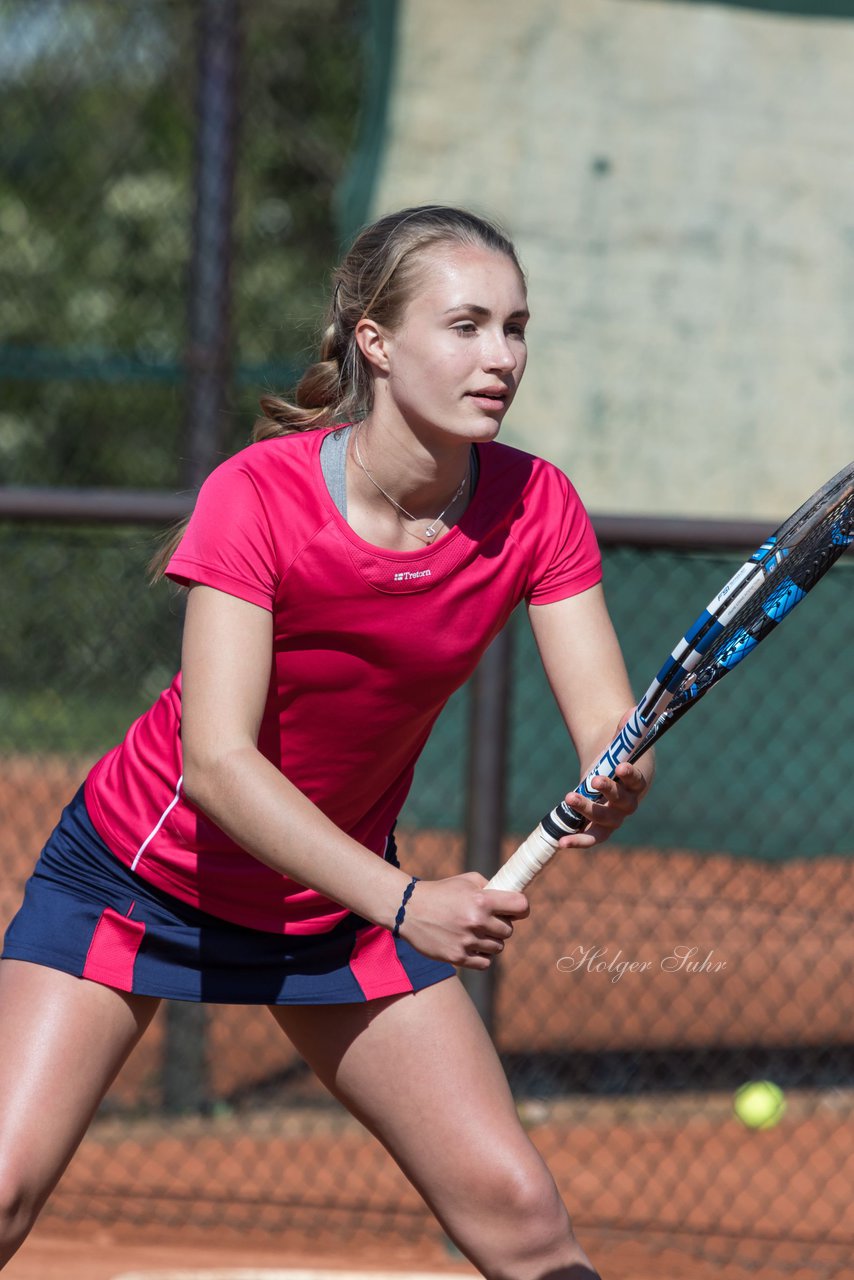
(531, 856)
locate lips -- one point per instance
(497, 395)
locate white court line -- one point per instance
(266, 1273)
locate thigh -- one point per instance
(64, 1040)
(422, 1074)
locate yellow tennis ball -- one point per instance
(759, 1104)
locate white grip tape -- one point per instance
(520, 869)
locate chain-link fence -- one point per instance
(169, 172)
(712, 945)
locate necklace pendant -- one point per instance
(430, 532)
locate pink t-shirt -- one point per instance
(368, 645)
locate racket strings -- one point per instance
(833, 499)
(794, 575)
(762, 592)
(809, 559)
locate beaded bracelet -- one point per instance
(401, 911)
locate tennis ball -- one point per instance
(759, 1104)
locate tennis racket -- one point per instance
(749, 607)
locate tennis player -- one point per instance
(237, 845)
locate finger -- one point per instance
(486, 947)
(496, 931)
(577, 839)
(631, 777)
(596, 811)
(618, 798)
(504, 902)
(607, 785)
(608, 789)
(585, 839)
(482, 950)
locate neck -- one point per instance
(422, 475)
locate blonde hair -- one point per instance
(376, 279)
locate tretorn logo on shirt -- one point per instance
(406, 576)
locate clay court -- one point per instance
(662, 1180)
(683, 221)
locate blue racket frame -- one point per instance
(827, 517)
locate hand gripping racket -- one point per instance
(753, 603)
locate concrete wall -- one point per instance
(680, 181)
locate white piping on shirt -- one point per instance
(164, 815)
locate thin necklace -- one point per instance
(431, 530)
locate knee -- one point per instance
(534, 1211)
(512, 1224)
(19, 1207)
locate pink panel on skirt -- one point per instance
(113, 950)
(375, 965)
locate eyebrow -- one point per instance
(476, 309)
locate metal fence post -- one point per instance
(208, 357)
(490, 692)
(208, 361)
(183, 1079)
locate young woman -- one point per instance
(237, 846)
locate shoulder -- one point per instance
(279, 455)
(513, 470)
(276, 475)
(253, 514)
(547, 521)
(277, 481)
(507, 458)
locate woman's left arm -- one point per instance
(585, 668)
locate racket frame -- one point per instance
(649, 717)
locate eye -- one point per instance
(465, 328)
(516, 331)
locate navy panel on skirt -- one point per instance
(87, 914)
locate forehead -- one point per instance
(450, 274)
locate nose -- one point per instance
(500, 355)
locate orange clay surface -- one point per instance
(666, 1185)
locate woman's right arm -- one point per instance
(226, 668)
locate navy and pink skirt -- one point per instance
(87, 914)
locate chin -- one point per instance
(474, 430)
(486, 430)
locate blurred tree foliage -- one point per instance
(96, 177)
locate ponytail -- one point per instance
(169, 542)
(376, 279)
(320, 399)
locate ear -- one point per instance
(373, 342)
